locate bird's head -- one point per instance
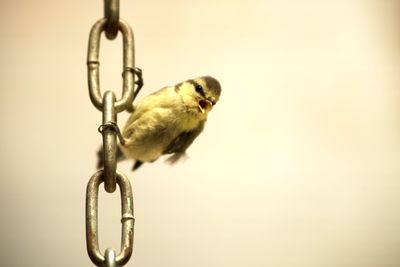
(203, 92)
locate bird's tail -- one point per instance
(137, 164)
(100, 156)
(176, 157)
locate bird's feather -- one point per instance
(179, 145)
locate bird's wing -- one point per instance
(179, 145)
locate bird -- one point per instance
(167, 122)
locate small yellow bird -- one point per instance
(167, 121)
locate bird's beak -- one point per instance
(205, 105)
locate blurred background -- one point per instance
(299, 162)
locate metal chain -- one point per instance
(111, 12)
(107, 103)
(128, 65)
(127, 220)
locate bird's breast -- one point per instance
(189, 122)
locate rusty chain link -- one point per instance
(111, 24)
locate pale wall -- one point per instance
(299, 162)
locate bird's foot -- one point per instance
(114, 126)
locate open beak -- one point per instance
(205, 105)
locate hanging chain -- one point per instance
(111, 12)
(94, 64)
(127, 221)
(111, 24)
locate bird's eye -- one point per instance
(199, 89)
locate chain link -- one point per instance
(111, 14)
(110, 258)
(128, 73)
(127, 219)
(109, 142)
(110, 106)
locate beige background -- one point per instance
(299, 162)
